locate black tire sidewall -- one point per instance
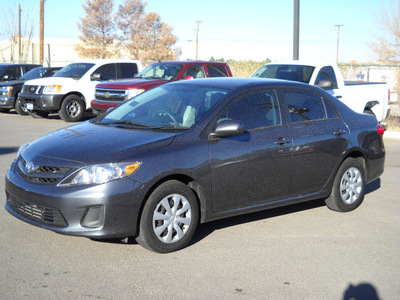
(346, 165)
(63, 109)
(146, 236)
(19, 109)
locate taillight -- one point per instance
(380, 129)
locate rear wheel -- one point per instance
(72, 109)
(349, 186)
(169, 218)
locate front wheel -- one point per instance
(348, 187)
(21, 110)
(169, 218)
(72, 109)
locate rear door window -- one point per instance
(306, 106)
(217, 71)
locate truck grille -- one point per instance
(38, 213)
(42, 174)
(110, 95)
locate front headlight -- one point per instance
(22, 148)
(6, 90)
(98, 174)
(52, 89)
(133, 93)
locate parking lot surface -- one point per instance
(303, 251)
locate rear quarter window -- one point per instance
(127, 70)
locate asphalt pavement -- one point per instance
(303, 251)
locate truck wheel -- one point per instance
(72, 109)
(37, 114)
(348, 187)
(21, 110)
(169, 218)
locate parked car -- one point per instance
(363, 97)
(10, 90)
(71, 89)
(112, 94)
(9, 72)
(195, 151)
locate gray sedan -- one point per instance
(191, 152)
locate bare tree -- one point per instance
(9, 36)
(144, 36)
(387, 46)
(98, 30)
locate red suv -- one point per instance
(112, 94)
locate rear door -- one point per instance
(320, 137)
(254, 167)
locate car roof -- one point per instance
(237, 82)
(190, 62)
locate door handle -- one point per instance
(339, 132)
(338, 96)
(282, 141)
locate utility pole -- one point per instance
(197, 38)
(337, 46)
(296, 30)
(19, 32)
(41, 44)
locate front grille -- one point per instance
(38, 213)
(42, 174)
(110, 95)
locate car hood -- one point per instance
(51, 80)
(13, 82)
(132, 83)
(87, 144)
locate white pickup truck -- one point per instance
(70, 90)
(363, 97)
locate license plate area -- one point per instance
(29, 106)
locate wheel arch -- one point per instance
(75, 93)
(185, 179)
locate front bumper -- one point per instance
(42, 102)
(99, 107)
(7, 102)
(98, 211)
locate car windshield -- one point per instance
(160, 71)
(286, 72)
(75, 70)
(34, 73)
(167, 107)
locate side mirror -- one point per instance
(228, 128)
(96, 77)
(325, 84)
(188, 77)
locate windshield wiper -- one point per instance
(170, 127)
(126, 122)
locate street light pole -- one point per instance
(197, 38)
(337, 46)
(296, 31)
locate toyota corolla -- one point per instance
(191, 152)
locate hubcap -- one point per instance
(172, 218)
(351, 185)
(73, 109)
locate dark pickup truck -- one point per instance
(113, 93)
(10, 90)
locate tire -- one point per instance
(348, 187)
(72, 109)
(169, 218)
(4, 110)
(21, 110)
(38, 114)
